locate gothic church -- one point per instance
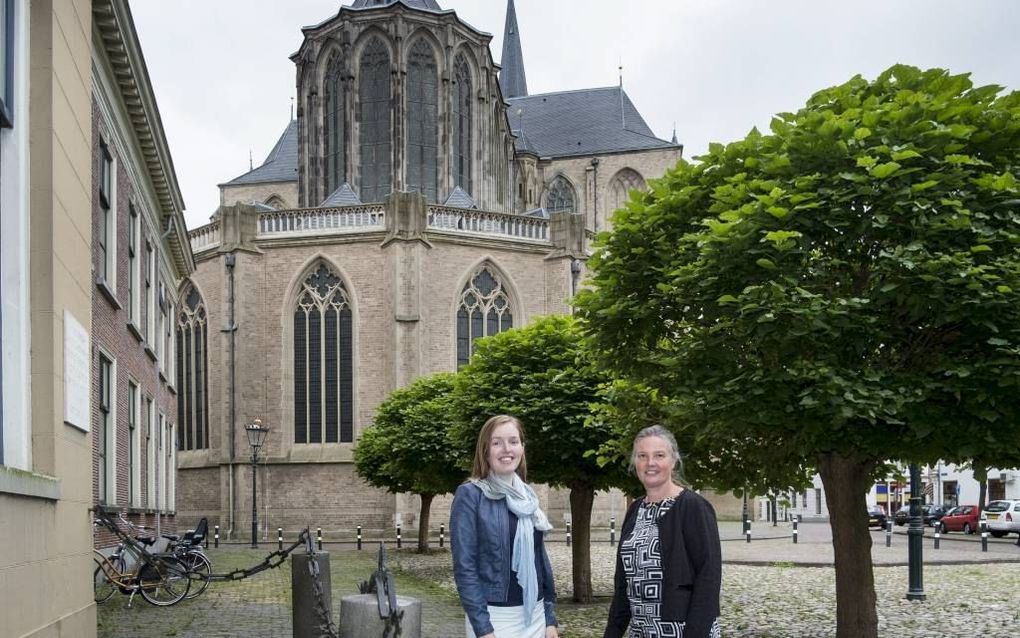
(420, 199)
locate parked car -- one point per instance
(963, 518)
(930, 514)
(1003, 517)
(876, 516)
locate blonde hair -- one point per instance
(667, 436)
(480, 468)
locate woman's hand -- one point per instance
(550, 632)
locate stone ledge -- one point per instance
(23, 483)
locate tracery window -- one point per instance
(333, 125)
(375, 140)
(484, 310)
(422, 124)
(192, 372)
(560, 197)
(462, 124)
(323, 361)
(623, 183)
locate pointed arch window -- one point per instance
(333, 125)
(423, 121)
(462, 124)
(484, 310)
(623, 183)
(192, 372)
(374, 116)
(323, 361)
(560, 197)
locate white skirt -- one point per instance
(509, 622)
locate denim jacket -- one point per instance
(482, 557)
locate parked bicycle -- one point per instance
(161, 577)
(187, 548)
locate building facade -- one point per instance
(420, 199)
(140, 256)
(46, 288)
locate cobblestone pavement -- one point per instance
(771, 589)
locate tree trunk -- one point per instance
(581, 499)
(847, 482)
(981, 476)
(423, 522)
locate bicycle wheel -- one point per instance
(163, 580)
(199, 569)
(104, 586)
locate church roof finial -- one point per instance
(511, 78)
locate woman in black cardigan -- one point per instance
(669, 562)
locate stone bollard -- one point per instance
(307, 623)
(359, 617)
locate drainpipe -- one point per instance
(230, 260)
(595, 195)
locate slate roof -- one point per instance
(460, 199)
(581, 122)
(512, 79)
(343, 196)
(424, 5)
(280, 166)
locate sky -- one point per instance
(223, 79)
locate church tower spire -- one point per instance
(511, 78)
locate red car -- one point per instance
(962, 519)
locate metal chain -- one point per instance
(327, 628)
(272, 561)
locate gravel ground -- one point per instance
(783, 601)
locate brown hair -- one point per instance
(480, 468)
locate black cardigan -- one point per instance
(691, 563)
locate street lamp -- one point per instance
(256, 439)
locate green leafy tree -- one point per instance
(843, 290)
(541, 375)
(407, 448)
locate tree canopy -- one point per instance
(840, 292)
(407, 449)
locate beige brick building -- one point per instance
(420, 199)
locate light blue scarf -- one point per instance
(521, 500)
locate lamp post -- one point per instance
(915, 535)
(256, 439)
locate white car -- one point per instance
(1003, 517)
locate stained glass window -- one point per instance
(323, 361)
(375, 133)
(560, 197)
(333, 125)
(462, 124)
(484, 310)
(422, 121)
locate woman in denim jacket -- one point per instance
(500, 564)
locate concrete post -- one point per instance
(307, 622)
(359, 617)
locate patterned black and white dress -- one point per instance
(642, 565)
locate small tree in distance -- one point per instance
(407, 449)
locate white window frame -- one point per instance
(108, 496)
(152, 286)
(134, 447)
(15, 327)
(150, 454)
(160, 467)
(134, 270)
(171, 467)
(108, 270)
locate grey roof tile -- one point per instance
(581, 122)
(460, 199)
(343, 196)
(512, 80)
(280, 166)
(425, 5)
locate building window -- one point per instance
(160, 468)
(423, 121)
(171, 468)
(333, 126)
(150, 454)
(560, 197)
(620, 187)
(192, 374)
(107, 231)
(132, 250)
(6, 64)
(106, 434)
(134, 493)
(376, 144)
(149, 270)
(462, 124)
(484, 310)
(323, 361)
